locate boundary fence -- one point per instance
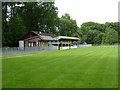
(88, 45)
(22, 50)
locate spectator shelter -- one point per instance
(65, 42)
(39, 39)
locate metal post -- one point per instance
(43, 44)
(68, 42)
(61, 45)
(65, 43)
(77, 44)
(58, 44)
(47, 43)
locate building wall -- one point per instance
(43, 43)
(35, 41)
(32, 40)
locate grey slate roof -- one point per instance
(46, 37)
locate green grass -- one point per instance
(86, 67)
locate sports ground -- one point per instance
(85, 67)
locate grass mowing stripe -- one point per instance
(86, 67)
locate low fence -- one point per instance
(88, 45)
(22, 50)
(103, 44)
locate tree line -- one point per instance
(20, 18)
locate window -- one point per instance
(41, 44)
(44, 43)
(29, 44)
(32, 44)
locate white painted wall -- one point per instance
(73, 46)
(65, 47)
(21, 43)
(68, 47)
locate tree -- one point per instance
(85, 27)
(39, 16)
(68, 26)
(110, 37)
(98, 38)
(4, 22)
(25, 17)
(16, 30)
(91, 35)
(43, 16)
(113, 25)
(83, 38)
(90, 30)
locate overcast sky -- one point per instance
(100, 11)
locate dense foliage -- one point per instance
(20, 18)
(95, 33)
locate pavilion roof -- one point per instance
(66, 37)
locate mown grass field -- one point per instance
(85, 67)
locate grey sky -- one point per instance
(100, 11)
